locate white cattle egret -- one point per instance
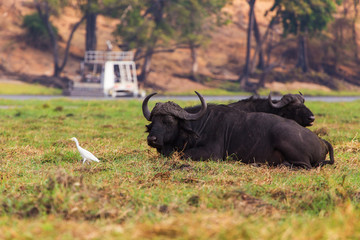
(85, 154)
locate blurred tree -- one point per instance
(193, 21)
(152, 25)
(250, 65)
(91, 12)
(143, 27)
(354, 32)
(92, 8)
(268, 66)
(45, 9)
(36, 31)
(258, 39)
(304, 18)
(343, 35)
(244, 77)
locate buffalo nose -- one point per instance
(312, 118)
(151, 139)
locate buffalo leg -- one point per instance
(295, 156)
(276, 158)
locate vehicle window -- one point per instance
(117, 73)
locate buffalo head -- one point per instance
(170, 124)
(292, 106)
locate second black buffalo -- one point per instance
(290, 106)
(220, 131)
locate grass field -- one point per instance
(264, 92)
(46, 193)
(21, 88)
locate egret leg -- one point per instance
(84, 160)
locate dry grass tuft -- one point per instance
(163, 176)
(92, 170)
(350, 147)
(247, 204)
(323, 131)
(68, 197)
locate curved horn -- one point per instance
(283, 102)
(195, 116)
(145, 108)
(302, 97)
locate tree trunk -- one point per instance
(45, 15)
(302, 54)
(336, 55)
(61, 68)
(245, 76)
(90, 31)
(258, 49)
(53, 39)
(157, 11)
(137, 54)
(257, 36)
(194, 63)
(268, 50)
(354, 34)
(145, 70)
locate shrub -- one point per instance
(36, 32)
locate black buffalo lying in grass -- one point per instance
(219, 131)
(290, 106)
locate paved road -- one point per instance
(184, 98)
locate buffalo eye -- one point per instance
(168, 120)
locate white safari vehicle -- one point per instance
(107, 73)
(120, 78)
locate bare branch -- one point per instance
(69, 41)
(258, 46)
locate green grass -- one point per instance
(312, 92)
(210, 92)
(263, 92)
(134, 193)
(27, 89)
(229, 89)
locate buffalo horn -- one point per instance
(195, 116)
(283, 102)
(145, 107)
(302, 97)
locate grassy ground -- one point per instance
(312, 92)
(20, 88)
(264, 92)
(46, 193)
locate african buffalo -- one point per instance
(219, 131)
(290, 106)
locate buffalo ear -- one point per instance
(186, 129)
(148, 127)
